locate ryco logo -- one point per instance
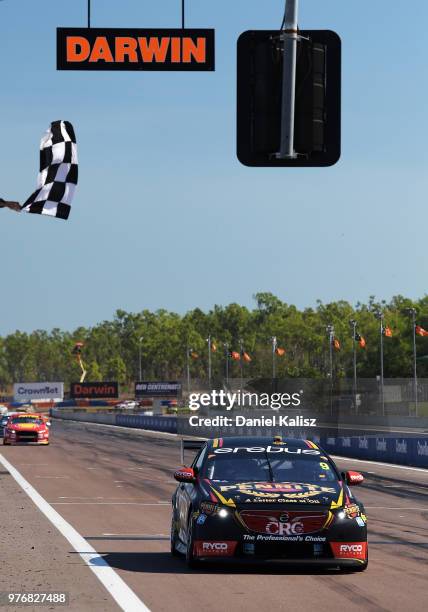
(351, 548)
(214, 546)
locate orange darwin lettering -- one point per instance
(192, 50)
(154, 49)
(78, 49)
(125, 46)
(101, 51)
(175, 50)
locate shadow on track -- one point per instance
(163, 563)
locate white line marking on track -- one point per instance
(52, 477)
(140, 535)
(389, 508)
(124, 596)
(65, 497)
(390, 465)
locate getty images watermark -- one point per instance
(231, 401)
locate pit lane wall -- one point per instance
(407, 449)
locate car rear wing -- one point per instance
(190, 445)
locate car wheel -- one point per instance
(174, 537)
(190, 558)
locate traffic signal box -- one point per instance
(317, 98)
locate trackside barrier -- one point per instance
(400, 450)
(404, 450)
(156, 423)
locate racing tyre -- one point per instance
(190, 558)
(174, 537)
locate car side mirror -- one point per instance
(353, 478)
(185, 474)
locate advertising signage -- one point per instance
(158, 389)
(135, 49)
(93, 390)
(38, 391)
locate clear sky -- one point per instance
(165, 216)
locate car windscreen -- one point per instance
(20, 420)
(263, 467)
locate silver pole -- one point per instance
(354, 331)
(290, 38)
(415, 370)
(274, 345)
(141, 375)
(209, 360)
(330, 330)
(382, 394)
(188, 370)
(241, 363)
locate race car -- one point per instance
(264, 499)
(26, 428)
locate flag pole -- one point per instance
(353, 325)
(241, 348)
(188, 369)
(412, 313)
(330, 330)
(415, 362)
(379, 315)
(274, 345)
(209, 361)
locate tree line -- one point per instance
(165, 340)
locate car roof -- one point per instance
(249, 441)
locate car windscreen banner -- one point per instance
(38, 391)
(93, 390)
(158, 389)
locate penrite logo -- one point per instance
(90, 390)
(135, 49)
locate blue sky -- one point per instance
(165, 216)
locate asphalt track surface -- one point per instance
(114, 487)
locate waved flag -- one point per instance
(421, 331)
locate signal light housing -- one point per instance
(317, 129)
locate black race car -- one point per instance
(268, 499)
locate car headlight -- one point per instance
(349, 511)
(213, 509)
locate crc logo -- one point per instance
(348, 548)
(214, 546)
(290, 528)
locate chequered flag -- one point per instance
(58, 174)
